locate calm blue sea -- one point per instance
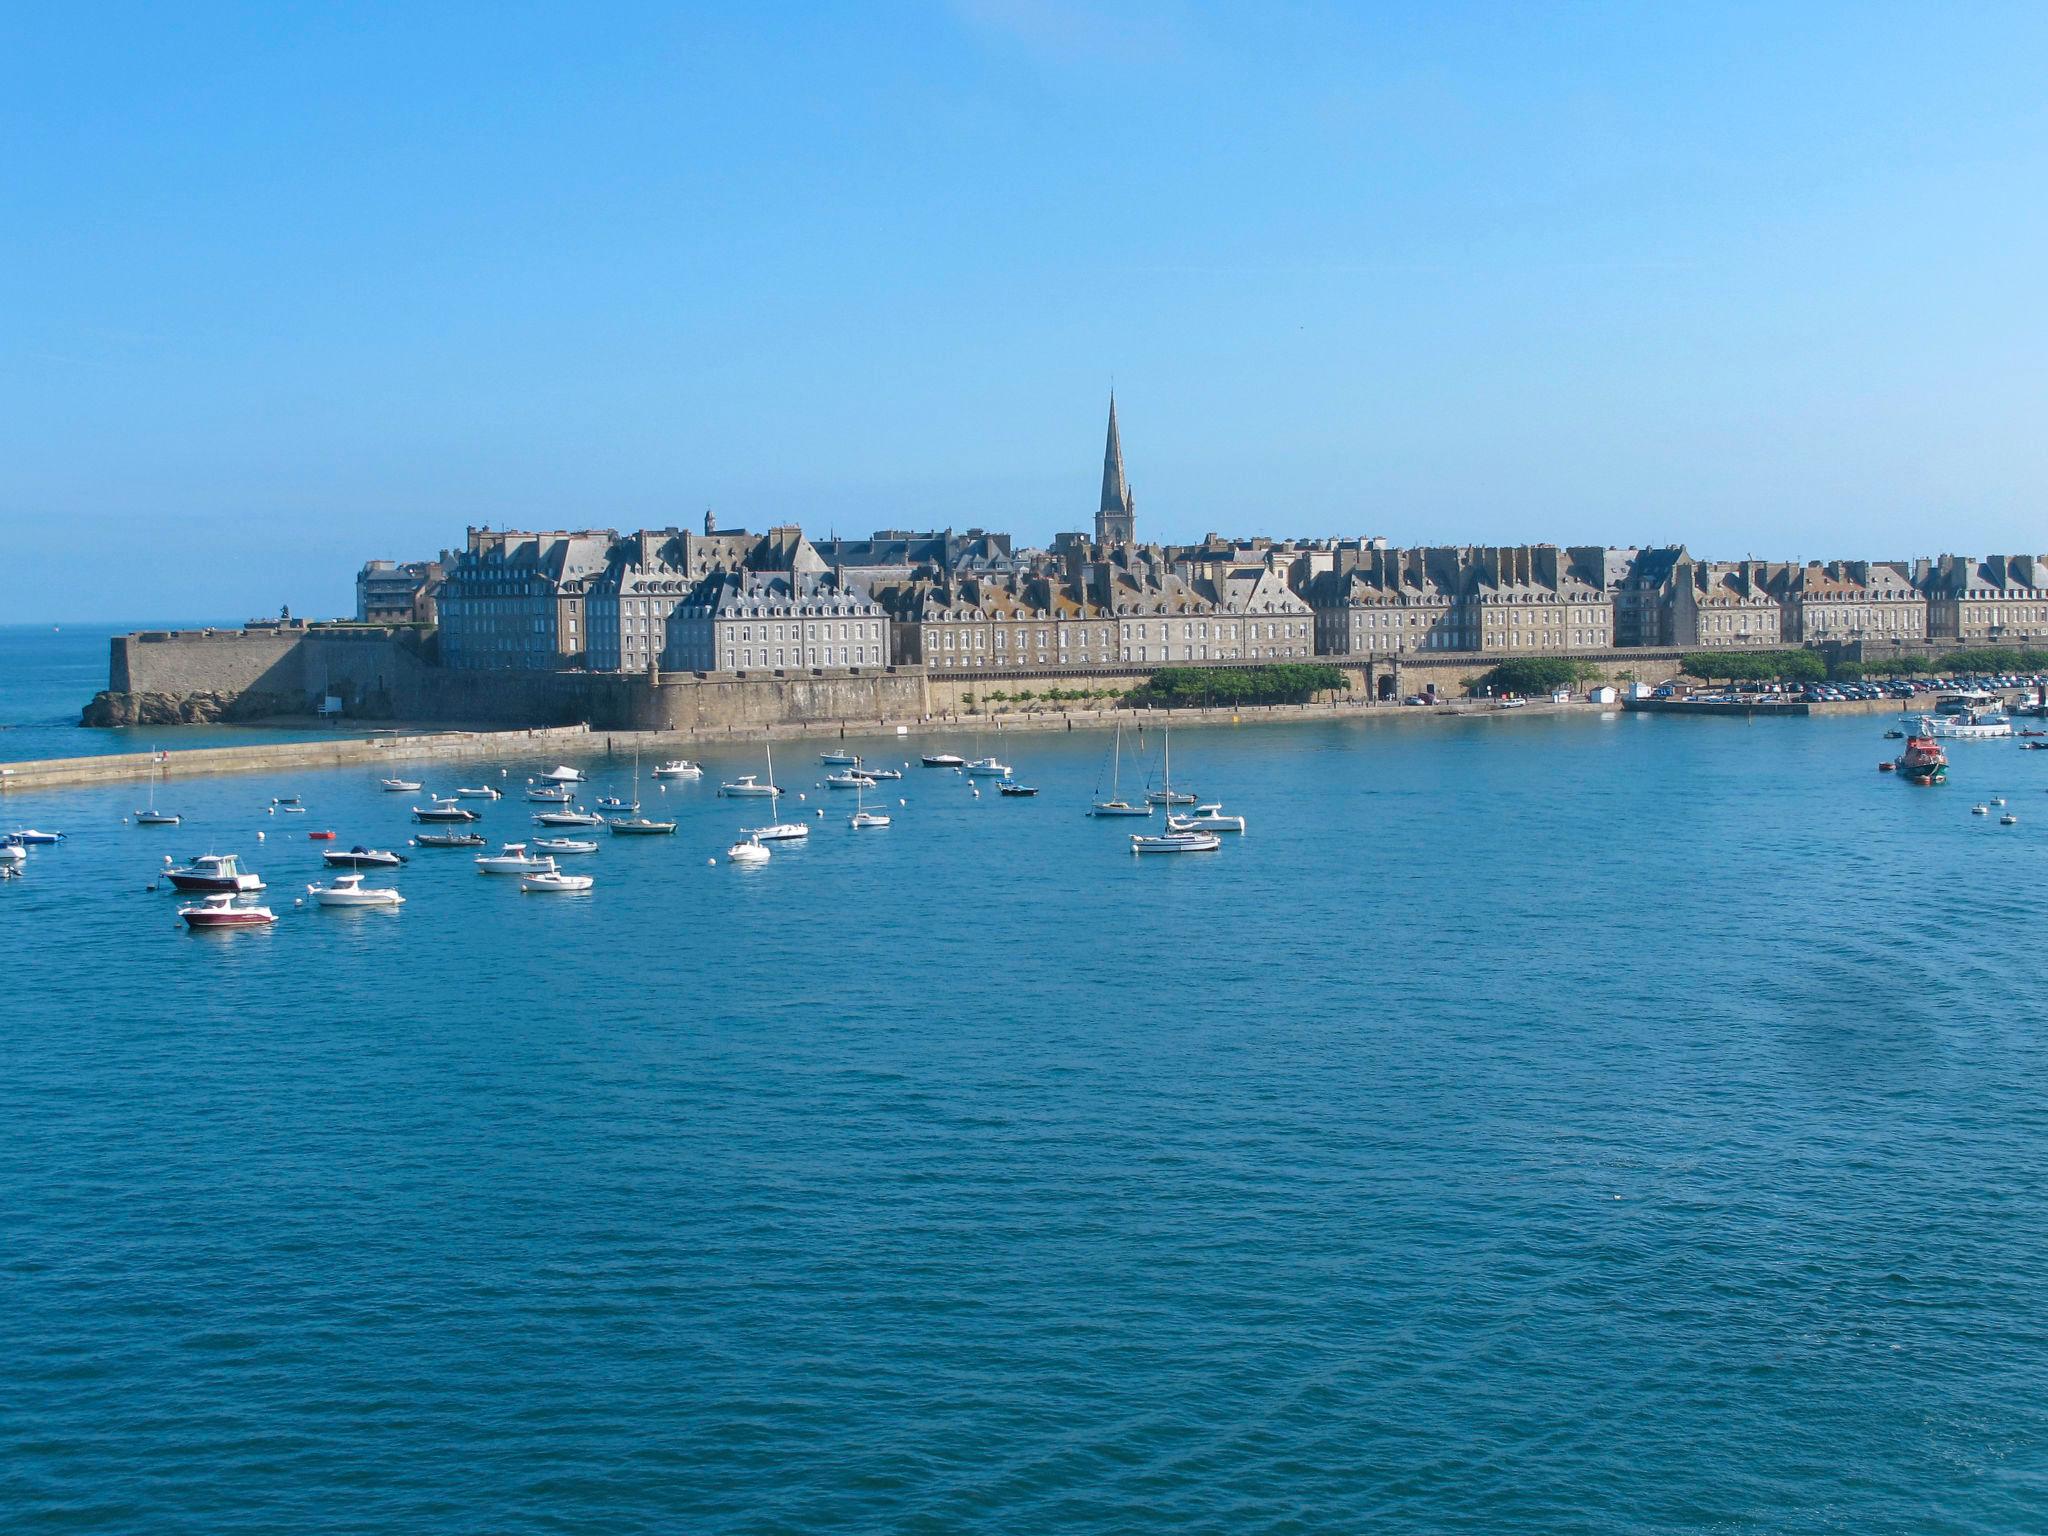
(1563, 1125)
(49, 673)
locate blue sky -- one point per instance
(282, 288)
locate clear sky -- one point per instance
(285, 287)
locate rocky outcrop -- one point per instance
(208, 708)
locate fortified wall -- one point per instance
(388, 673)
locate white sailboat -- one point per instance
(862, 816)
(152, 817)
(1116, 805)
(1172, 841)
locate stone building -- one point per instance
(515, 600)
(749, 621)
(1534, 597)
(1851, 600)
(391, 592)
(1725, 603)
(1996, 600)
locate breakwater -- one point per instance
(400, 748)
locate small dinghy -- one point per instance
(476, 792)
(640, 826)
(403, 786)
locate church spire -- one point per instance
(1115, 521)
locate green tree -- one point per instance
(1274, 683)
(1538, 674)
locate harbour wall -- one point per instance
(389, 673)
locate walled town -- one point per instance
(669, 605)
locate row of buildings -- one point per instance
(680, 600)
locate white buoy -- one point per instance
(903, 802)
(273, 810)
(821, 813)
(712, 862)
(261, 835)
(167, 861)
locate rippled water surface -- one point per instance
(1533, 1124)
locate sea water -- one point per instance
(1589, 1124)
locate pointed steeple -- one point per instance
(1115, 520)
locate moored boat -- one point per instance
(563, 775)
(444, 811)
(402, 786)
(988, 768)
(851, 779)
(639, 826)
(1923, 761)
(1015, 790)
(1176, 842)
(220, 911)
(840, 759)
(29, 837)
(512, 859)
(349, 891)
(576, 818)
(943, 760)
(748, 850)
(1209, 817)
(557, 846)
(1116, 805)
(360, 857)
(559, 795)
(748, 786)
(555, 882)
(451, 840)
(779, 832)
(215, 872)
(477, 792)
(678, 768)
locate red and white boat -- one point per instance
(219, 911)
(215, 872)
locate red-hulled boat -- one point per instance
(1923, 761)
(219, 911)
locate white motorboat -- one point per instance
(220, 911)
(29, 837)
(215, 872)
(988, 768)
(349, 891)
(840, 759)
(402, 786)
(576, 818)
(881, 773)
(1116, 805)
(512, 859)
(1169, 797)
(1965, 718)
(679, 768)
(556, 882)
(1206, 818)
(563, 775)
(558, 846)
(360, 857)
(442, 811)
(746, 786)
(748, 850)
(780, 832)
(152, 817)
(477, 792)
(851, 779)
(556, 796)
(13, 854)
(943, 760)
(1176, 842)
